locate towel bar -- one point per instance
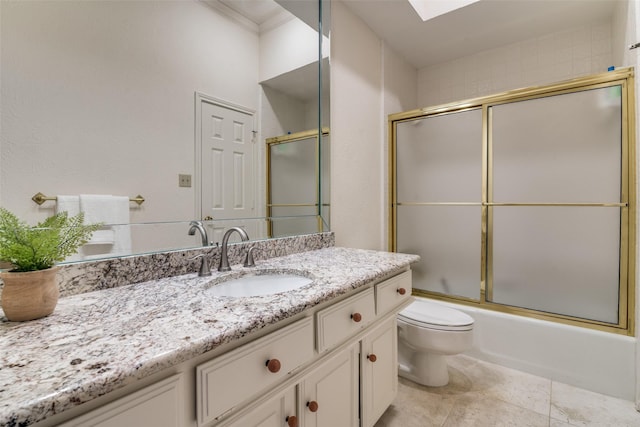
(40, 198)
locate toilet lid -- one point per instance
(436, 316)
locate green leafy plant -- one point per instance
(39, 247)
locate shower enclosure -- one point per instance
(297, 183)
(523, 202)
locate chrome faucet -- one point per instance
(205, 270)
(197, 225)
(224, 260)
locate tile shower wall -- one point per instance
(554, 57)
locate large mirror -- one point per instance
(134, 98)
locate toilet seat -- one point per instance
(425, 314)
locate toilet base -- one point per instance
(426, 369)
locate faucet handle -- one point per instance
(248, 261)
(205, 269)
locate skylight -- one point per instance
(428, 9)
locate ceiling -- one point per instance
(476, 27)
(479, 26)
(263, 15)
(257, 11)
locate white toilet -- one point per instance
(427, 333)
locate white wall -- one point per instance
(282, 113)
(98, 97)
(286, 47)
(554, 57)
(356, 132)
(368, 82)
(400, 83)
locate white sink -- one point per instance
(258, 284)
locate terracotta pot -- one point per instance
(30, 295)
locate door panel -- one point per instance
(227, 168)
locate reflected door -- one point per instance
(227, 168)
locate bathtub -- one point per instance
(589, 359)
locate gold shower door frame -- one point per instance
(289, 138)
(627, 274)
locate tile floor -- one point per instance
(481, 394)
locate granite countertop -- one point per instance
(99, 341)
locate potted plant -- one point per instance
(30, 288)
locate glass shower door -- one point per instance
(439, 200)
(523, 202)
(555, 204)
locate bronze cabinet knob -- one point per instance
(273, 365)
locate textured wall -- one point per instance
(356, 132)
(554, 57)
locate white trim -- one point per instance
(226, 11)
(275, 21)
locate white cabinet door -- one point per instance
(329, 394)
(379, 370)
(279, 411)
(158, 405)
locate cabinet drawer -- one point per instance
(236, 377)
(160, 405)
(392, 292)
(340, 321)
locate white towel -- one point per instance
(102, 237)
(113, 211)
(70, 204)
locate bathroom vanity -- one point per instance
(168, 353)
